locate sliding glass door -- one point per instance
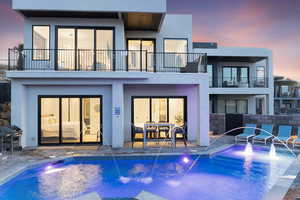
(140, 54)
(159, 109)
(85, 48)
(70, 120)
(235, 76)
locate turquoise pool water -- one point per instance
(227, 175)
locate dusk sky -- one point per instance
(272, 24)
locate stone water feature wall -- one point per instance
(5, 114)
(217, 121)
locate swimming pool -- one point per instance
(229, 174)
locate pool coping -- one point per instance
(284, 182)
(15, 171)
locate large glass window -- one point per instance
(140, 55)
(175, 52)
(70, 120)
(49, 119)
(210, 74)
(41, 42)
(284, 90)
(235, 76)
(66, 48)
(85, 48)
(232, 106)
(104, 52)
(157, 109)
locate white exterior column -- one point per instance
(203, 113)
(270, 96)
(117, 115)
(18, 108)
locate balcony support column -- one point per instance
(203, 113)
(117, 115)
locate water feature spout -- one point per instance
(272, 152)
(248, 149)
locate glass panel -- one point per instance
(230, 106)
(66, 46)
(41, 37)
(49, 120)
(134, 55)
(85, 46)
(244, 77)
(242, 106)
(227, 81)
(175, 52)
(210, 74)
(105, 46)
(176, 111)
(70, 120)
(284, 90)
(141, 111)
(148, 49)
(220, 106)
(91, 120)
(159, 110)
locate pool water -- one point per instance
(227, 175)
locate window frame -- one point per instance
(32, 41)
(164, 52)
(94, 28)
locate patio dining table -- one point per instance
(159, 125)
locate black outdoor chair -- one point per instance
(151, 131)
(163, 129)
(180, 131)
(137, 134)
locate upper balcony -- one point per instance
(105, 60)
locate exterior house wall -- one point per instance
(190, 91)
(117, 89)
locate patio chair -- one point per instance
(263, 136)
(247, 133)
(192, 67)
(284, 134)
(151, 131)
(137, 134)
(163, 129)
(296, 142)
(181, 131)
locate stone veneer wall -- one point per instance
(217, 121)
(5, 114)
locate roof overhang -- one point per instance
(137, 14)
(252, 59)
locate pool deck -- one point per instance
(287, 187)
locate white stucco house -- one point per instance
(90, 72)
(240, 79)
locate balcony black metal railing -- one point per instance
(106, 60)
(242, 82)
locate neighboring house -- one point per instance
(286, 96)
(90, 71)
(240, 79)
